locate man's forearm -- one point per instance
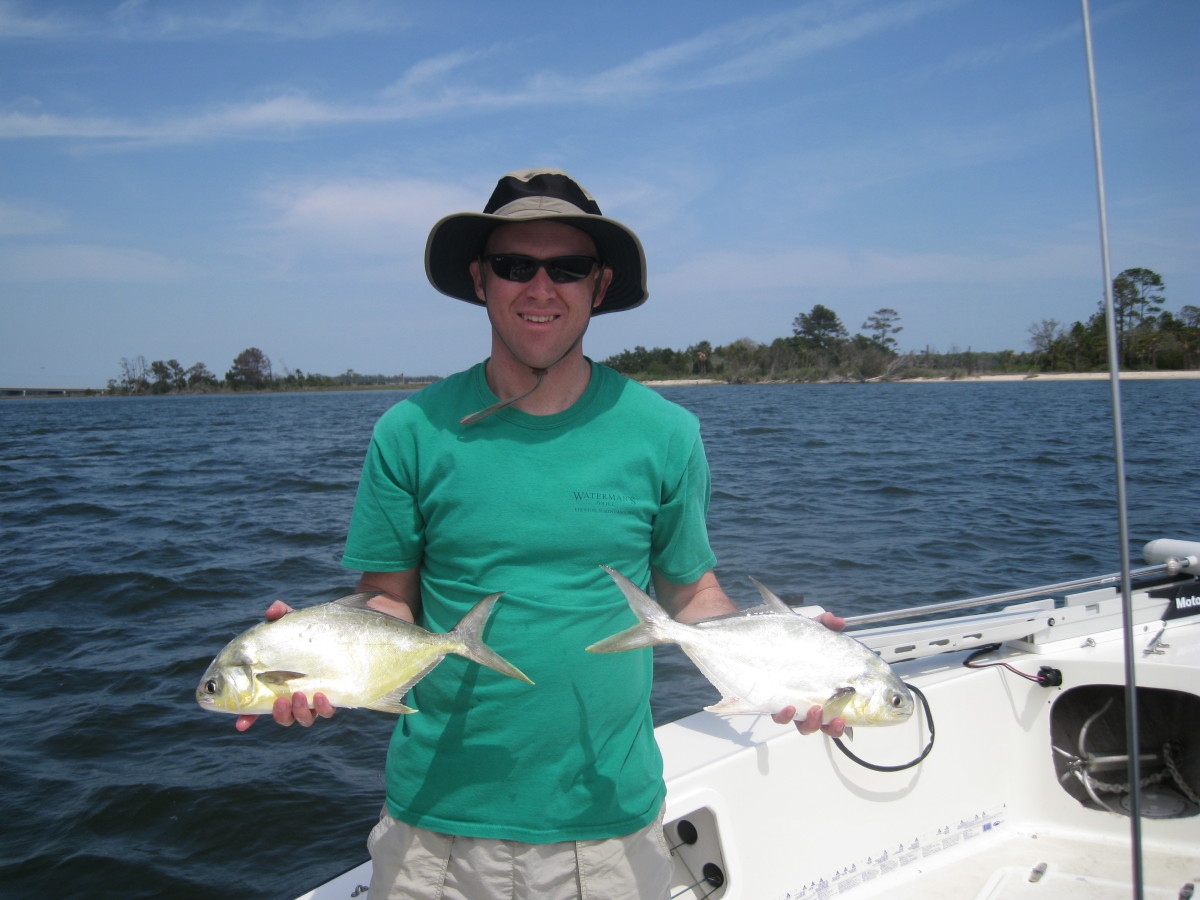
(701, 599)
(396, 593)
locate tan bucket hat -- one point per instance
(527, 195)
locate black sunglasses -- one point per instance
(561, 269)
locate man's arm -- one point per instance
(703, 599)
(396, 593)
(687, 603)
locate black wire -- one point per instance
(907, 765)
(970, 663)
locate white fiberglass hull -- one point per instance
(994, 811)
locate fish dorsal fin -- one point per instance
(278, 677)
(774, 603)
(393, 702)
(357, 601)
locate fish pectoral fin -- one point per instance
(278, 677)
(392, 703)
(732, 706)
(837, 702)
(631, 638)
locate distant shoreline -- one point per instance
(1047, 376)
(42, 393)
(63, 393)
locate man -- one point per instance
(523, 475)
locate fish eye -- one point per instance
(210, 686)
(897, 701)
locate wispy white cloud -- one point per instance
(20, 221)
(745, 50)
(204, 19)
(86, 262)
(990, 55)
(280, 115)
(742, 51)
(769, 45)
(196, 20)
(826, 174)
(840, 268)
(431, 73)
(270, 117)
(16, 23)
(17, 124)
(361, 216)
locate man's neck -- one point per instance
(562, 385)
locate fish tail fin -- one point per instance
(653, 629)
(468, 635)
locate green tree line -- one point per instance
(820, 348)
(250, 371)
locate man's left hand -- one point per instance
(811, 723)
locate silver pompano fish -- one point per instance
(764, 662)
(354, 655)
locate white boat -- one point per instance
(1022, 792)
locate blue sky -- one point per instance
(186, 179)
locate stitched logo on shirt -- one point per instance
(603, 502)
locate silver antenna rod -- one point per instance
(1132, 737)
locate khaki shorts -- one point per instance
(411, 863)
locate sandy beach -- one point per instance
(1067, 376)
(679, 381)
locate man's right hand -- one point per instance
(296, 710)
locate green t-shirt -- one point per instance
(531, 506)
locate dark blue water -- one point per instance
(138, 535)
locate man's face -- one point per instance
(536, 322)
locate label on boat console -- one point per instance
(1185, 599)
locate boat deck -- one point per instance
(1036, 865)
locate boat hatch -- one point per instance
(1087, 736)
(695, 844)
